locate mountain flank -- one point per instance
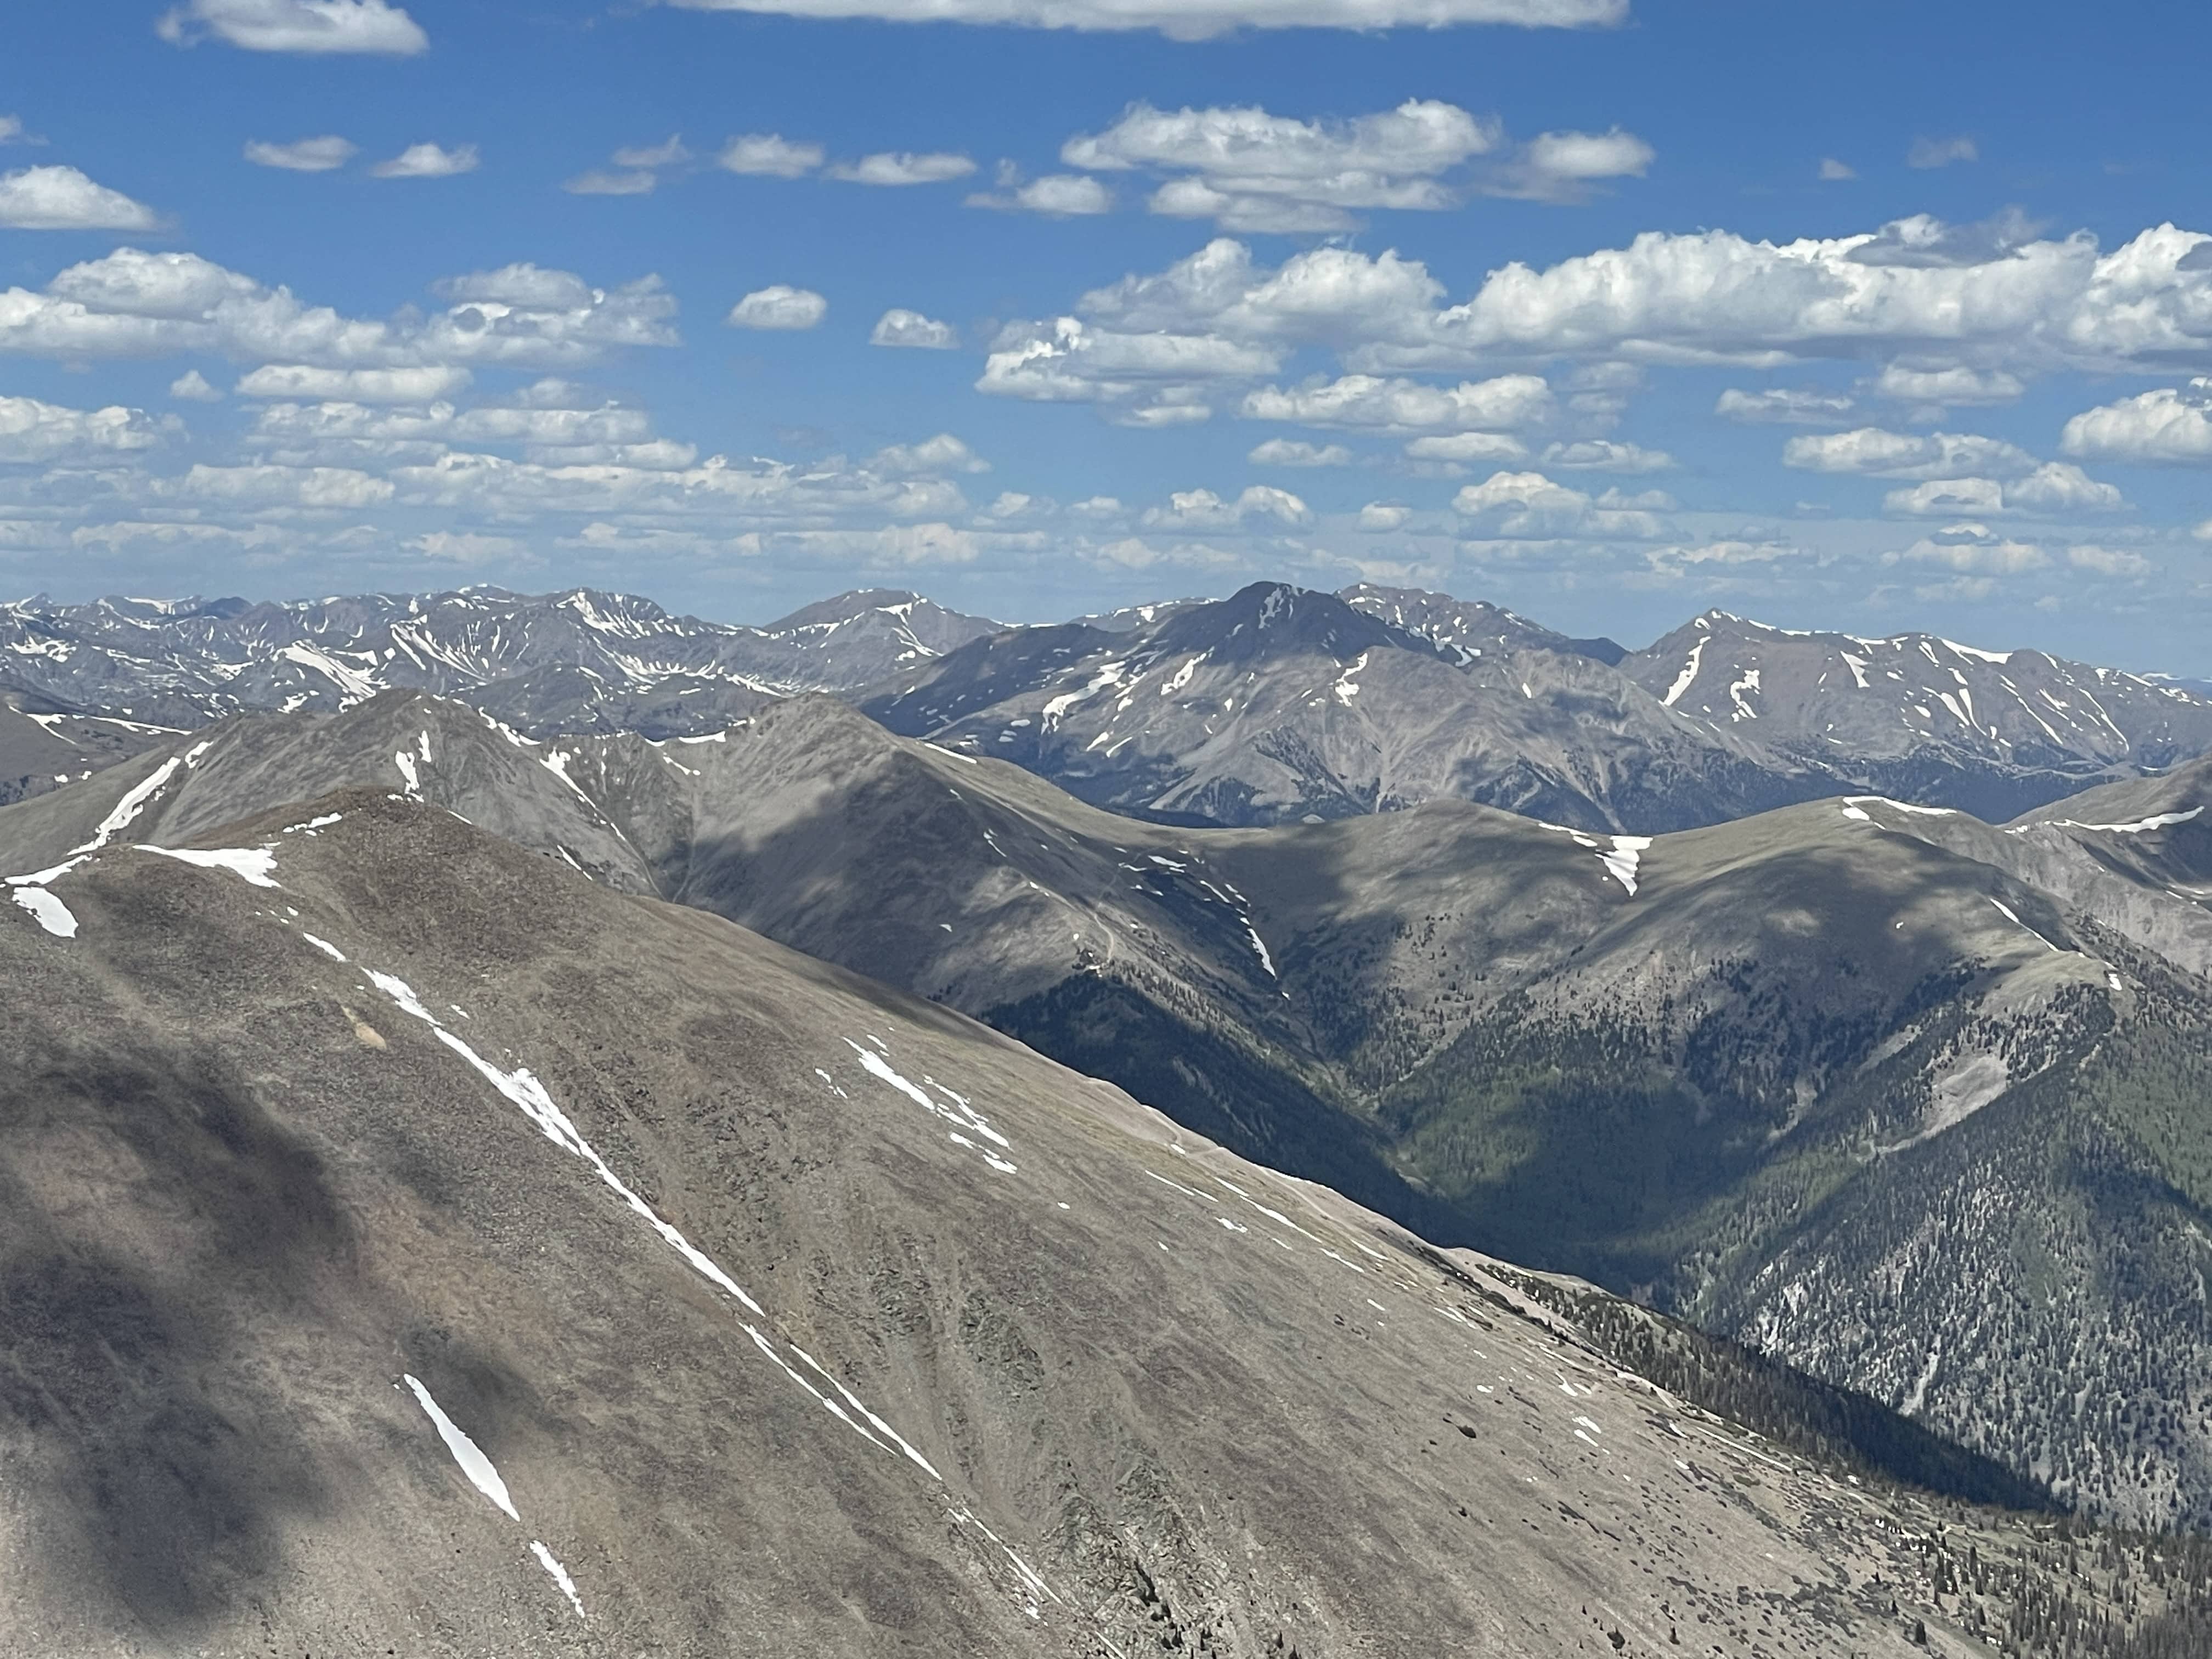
(1754, 1073)
(411, 1244)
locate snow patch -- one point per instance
(1347, 686)
(1744, 711)
(131, 804)
(1622, 861)
(48, 911)
(254, 864)
(559, 1575)
(2163, 821)
(1107, 676)
(2006, 911)
(474, 1464)
(1684, 680)
(959, 1113)
(1901, 806)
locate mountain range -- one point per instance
(1275, 705)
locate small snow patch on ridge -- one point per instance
(48, 911)
(2162, 821)
(1627, 852)
(251, 863)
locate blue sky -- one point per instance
(1609, 310)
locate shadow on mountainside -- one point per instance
(137, 1199)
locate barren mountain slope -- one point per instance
(411, 1246)
(45, 745)
(1668, 1065)
(1471, 626)
(1279, 704)
(1996, 733)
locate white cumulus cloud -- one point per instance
(30, 431)
(1604, 455)
(667, 153)
(898, 167)
(1249, 170)
(62, 198)
(1950, 385)
(1068, 361)
(1911, 290)
(1974, 549)
(1468, 448)
(901, 327)
(428, 161)
(363, 385)
(465, 547)
(1942, 152)
(321, 154)
(135, 304)
(1290, 451)
(318, 27)
(940, 455)
(1382, 516)
(1056, 196)
(261, 486)
(2170, 426)
(193, 387)
(1201, 510)
(1902, 455)
(1525, 504)
(1785, 407)
(2056, 488)
(770, 154)
(2109, 561)
(779, 306)
(1402, 405)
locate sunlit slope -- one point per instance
(763, 1309)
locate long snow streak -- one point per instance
(131, 804)
(474, 1464)
(560, 1575)
(1686, 678)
